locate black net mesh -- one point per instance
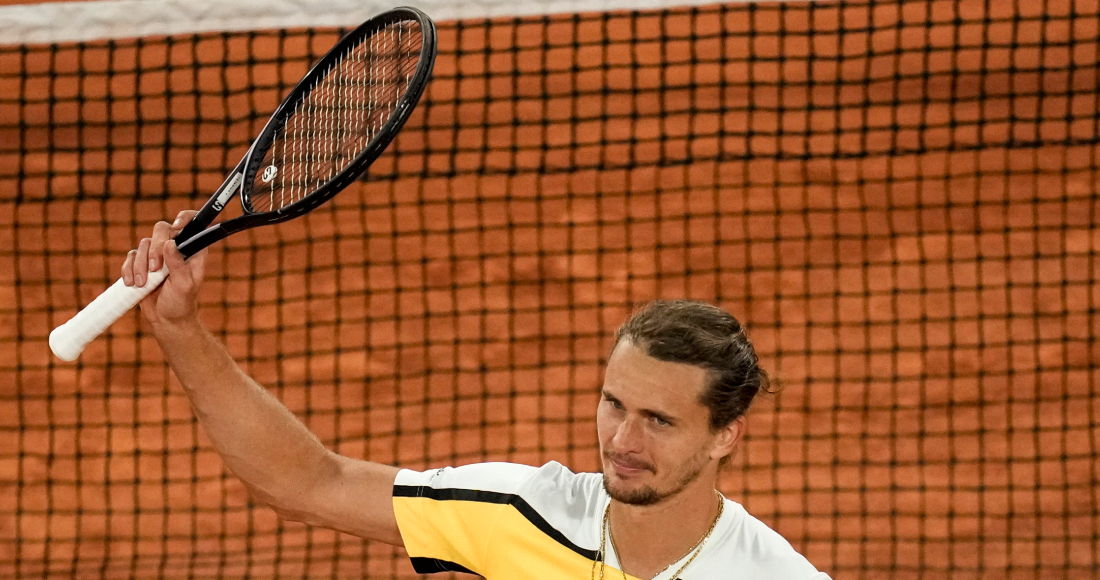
(898, 198)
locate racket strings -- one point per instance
(343, 112)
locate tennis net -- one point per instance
(898, 198)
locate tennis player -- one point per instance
(677, 385)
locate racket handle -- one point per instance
(68, 340)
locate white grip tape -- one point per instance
(68, 340)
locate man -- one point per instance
(678, 383)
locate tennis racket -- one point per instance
(331, 127)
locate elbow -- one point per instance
(282, 503)
(292, 513)
(291, 507)
(300, 501)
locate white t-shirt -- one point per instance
(507, 521)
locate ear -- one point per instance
(727, 438)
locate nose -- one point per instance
(628, 436)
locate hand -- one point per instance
(177, 298)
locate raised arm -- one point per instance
(281, 463)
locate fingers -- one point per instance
(128, 268)
(149, 254)
(162, 232)
(140, 263)
(184, 218)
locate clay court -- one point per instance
(899, 200)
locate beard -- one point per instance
(645, 495)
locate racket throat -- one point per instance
(201, 240)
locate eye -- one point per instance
(661, 422)
(614, 402)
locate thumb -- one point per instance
(180, 266)
(173, 258)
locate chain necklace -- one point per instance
(605, 533)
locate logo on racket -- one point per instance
(269, 173)
(226, 193)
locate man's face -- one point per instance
(655, 436)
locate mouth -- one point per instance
(624, 467)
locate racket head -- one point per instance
(340, 117)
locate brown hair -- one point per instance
(695, 333)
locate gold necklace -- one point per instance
(605, 533)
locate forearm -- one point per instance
(260, 441)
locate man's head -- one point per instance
(679, 380)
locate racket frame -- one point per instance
(199, 234)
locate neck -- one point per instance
(650, 538)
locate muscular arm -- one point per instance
(281, 463)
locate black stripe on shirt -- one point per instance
(521, 505)
(434, 566)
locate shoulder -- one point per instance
(488, 477)
(756, 550)
(558, 501)
(507, 478)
